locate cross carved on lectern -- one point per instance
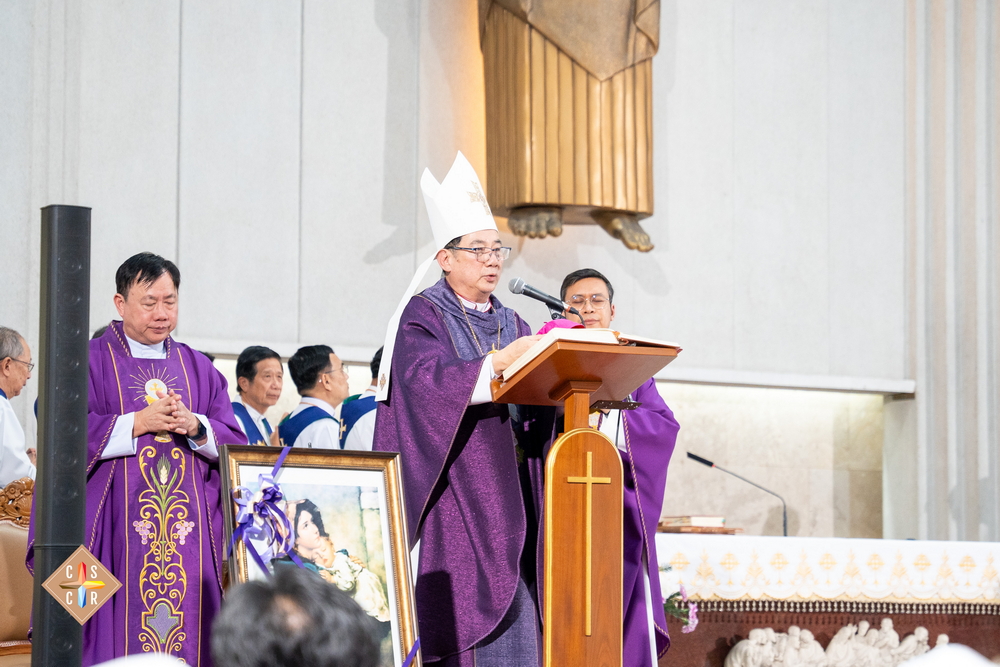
(589, 480)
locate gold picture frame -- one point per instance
(360, 494)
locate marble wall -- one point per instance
(820, 451)
(273, 150)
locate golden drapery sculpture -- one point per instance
(569, 113)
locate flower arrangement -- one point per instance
(678, 606)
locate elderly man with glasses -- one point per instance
(15, 370)
(645, 438)
(321, 379)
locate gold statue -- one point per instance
(569, 134)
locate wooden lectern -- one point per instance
(582, 595)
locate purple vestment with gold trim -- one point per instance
(155, 518)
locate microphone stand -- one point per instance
(784, 507)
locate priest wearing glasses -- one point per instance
(645, 438)
(472, 480)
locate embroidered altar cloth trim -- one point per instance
(739, 567)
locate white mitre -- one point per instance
(456, 206)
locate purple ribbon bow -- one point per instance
(260, 518)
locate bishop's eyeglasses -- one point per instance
(483, 254)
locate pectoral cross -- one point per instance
(589, 480)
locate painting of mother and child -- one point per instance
(341, 534)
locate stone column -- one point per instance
(953, 277)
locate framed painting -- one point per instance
(345, 513)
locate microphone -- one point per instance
(784, 507)
(518, 286)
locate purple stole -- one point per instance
(291, 428)
(249, 427)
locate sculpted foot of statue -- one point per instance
(624, 226)
(536, 222)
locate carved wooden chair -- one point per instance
(15, 580)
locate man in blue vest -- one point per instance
(357, 414)
(321, 379)
(259, 378)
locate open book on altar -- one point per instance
(599, 336)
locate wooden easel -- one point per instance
(582, 596)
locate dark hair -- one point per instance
(144, 269)
(293, 618)
(209, 356)
(99, 332)
(246, 363)
(579, 275)
(450, 245)
(307, 363)
(376, 362)
(309, 506)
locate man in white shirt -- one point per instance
(321, 379)
(259, 377)
(15, 369)
(357, 414)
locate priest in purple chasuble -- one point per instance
(471, 478)
(645, 438)
(158, 412)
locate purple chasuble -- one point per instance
(466, 493)
(155, 518)
(650, 435)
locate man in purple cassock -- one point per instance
(645, 438)
(471, 478)
(158, 412)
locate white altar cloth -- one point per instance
(740, 567)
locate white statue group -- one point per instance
(858, 645)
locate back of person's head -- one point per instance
(307, 363)
(376, 362)
(293, 619)
(246, 364)
(579, 275)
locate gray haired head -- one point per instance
(11, 343)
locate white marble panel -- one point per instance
(359, 168)
(543, 263)
(452, 95)
(780, 145)
(239, 169)
(866, 144)
(18, 310)
(128, 136)
(16, 216)
(686, 284)
(794, 443)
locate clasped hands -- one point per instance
(167, 413)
